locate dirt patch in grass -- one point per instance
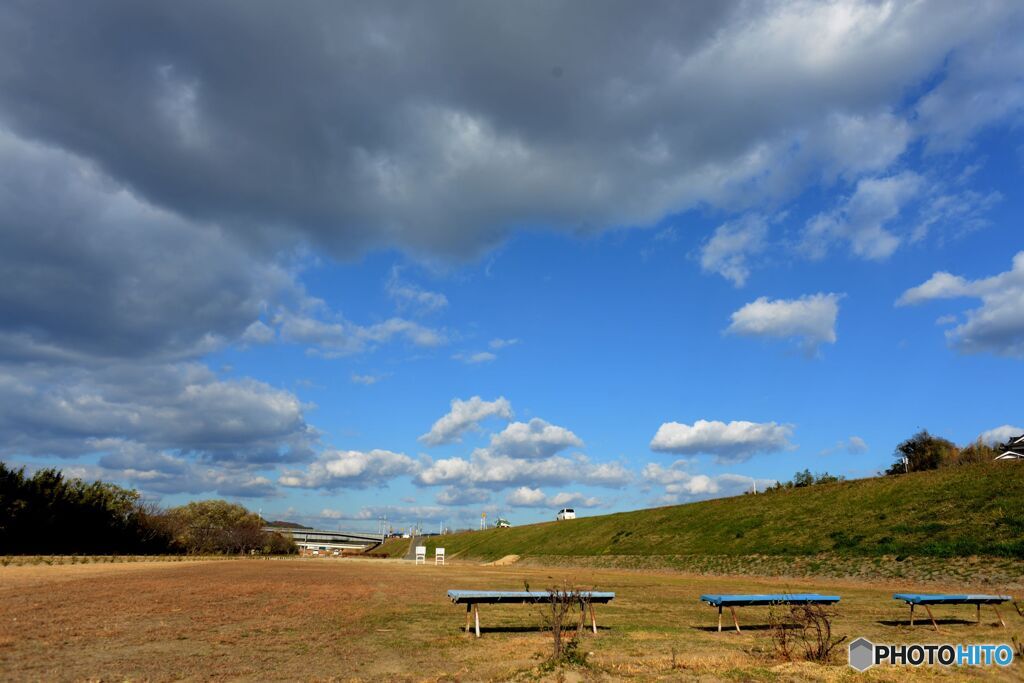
(504, 561)
(351, 619)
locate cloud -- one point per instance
(465, 415)
(525, 496)
(486, 470)
(258, 333)
(336, 337)
(680, 485)
(463, 496)
(863, 219)
(155, 472)
(1000, 435)
(997, 326)
(533, 439)
(497, 344)
(393, 513)
(95, 273)
(960, 211)
(732, 243)
(476, 358)
(732, 442)
(366, 380)
(982, 86)
(853, 446)
(811, 318)
(351, 469)
(408, 295)
(66, 412)
(410, 145)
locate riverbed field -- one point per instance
(360, 619)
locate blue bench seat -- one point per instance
(473, 599)
(748, 600)
(976, 599)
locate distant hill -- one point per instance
(955, 512)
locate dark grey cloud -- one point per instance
(182, 408)
(159, 473)
(90, 271)
(164, 167)
(439, 128)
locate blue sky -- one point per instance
(359, 279)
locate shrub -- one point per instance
(805, 629)
(557, 615)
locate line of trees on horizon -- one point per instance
(50, 514)
(922, 451)
(925, 451)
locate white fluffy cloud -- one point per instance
(524, 496)
(465, 415)
(997, 326)
(533, 439)
(486, 470)
(727, 250)
(351, 469)
(1001, 434)
(732, 442)
(863, 219)
(811, 319)
(681, 485)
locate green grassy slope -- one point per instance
(968, 510)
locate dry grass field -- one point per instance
(389, 620)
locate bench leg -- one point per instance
(469, 615)
(476, 615)
(911, 614)
(734, 619)
(719, 618)
(593, 619)
(929, 610)
(997, 614)
(979, 612)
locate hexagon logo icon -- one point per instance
(862, 654)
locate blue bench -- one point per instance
(734, 601)
(976, 599)
(473, 599)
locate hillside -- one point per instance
(956, 512)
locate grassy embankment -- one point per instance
(973, 510)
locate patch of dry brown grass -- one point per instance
(388, 620)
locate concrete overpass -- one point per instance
(320, 539)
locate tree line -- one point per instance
(925, 451)
(49, 514)
(922, 451)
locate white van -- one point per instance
(566, 513)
